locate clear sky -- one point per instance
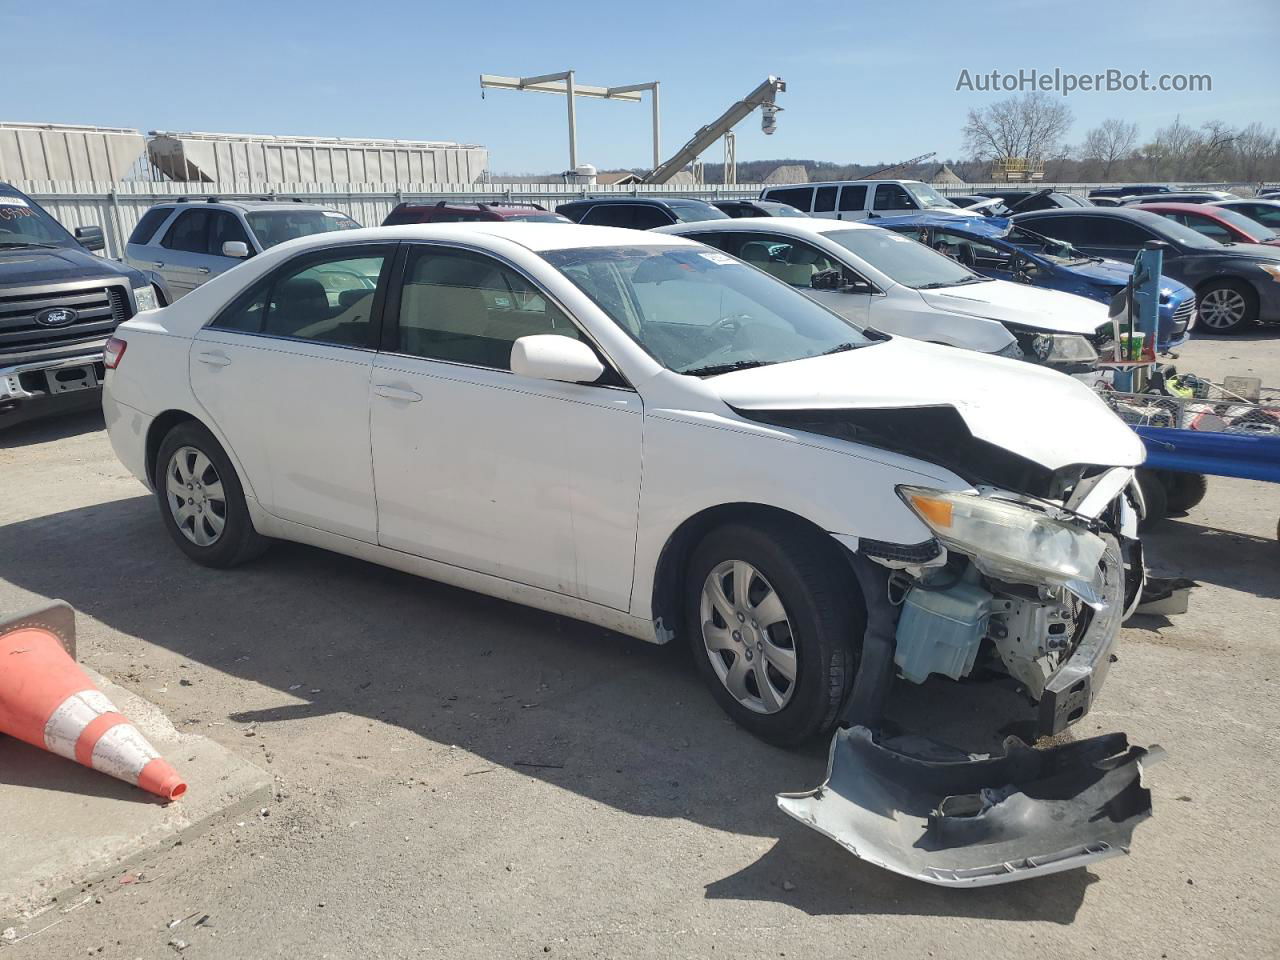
(866, 82)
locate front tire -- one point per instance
(1226, 306)
(772, 627)
(201, 501)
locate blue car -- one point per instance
(996, 247)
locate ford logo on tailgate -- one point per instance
(56, 317)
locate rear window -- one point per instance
(691, 212)
(149, 224)
(276, 226)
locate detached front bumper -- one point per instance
(929, 812)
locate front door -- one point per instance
(284, 373)
(893, 200)
(534, 481)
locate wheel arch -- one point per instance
(673, 559)
(156, 433)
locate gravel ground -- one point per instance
(461, 777)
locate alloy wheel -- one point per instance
(1222, 308)
(747, 636)
(194, 493)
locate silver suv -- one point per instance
(181, 244)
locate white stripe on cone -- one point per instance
(74, 714)
(122, 752)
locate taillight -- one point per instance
(113, 352)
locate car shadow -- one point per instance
(623, 722)
(47, 429)
(1241, 561)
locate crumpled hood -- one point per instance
(1022, 304)
(1042, 415)
(31, 265)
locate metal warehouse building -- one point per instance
(228, 158)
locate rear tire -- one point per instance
(797, 574)
(201, 501)
(1154, 496)
(1184, 490)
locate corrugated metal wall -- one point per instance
(48, 151)
(117, 207)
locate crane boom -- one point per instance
(895, 166)
(761, 96)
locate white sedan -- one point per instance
(642, 432)
(881, 279)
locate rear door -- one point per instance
(853, 202)
(284, 373)
(184, 251)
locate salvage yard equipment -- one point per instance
(47, 701)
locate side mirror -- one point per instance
(549, 356)
(857, 285)
(91, 238)
(825, 280)
(235, 248)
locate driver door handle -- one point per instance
(397, 393)
(203, 269)
(214, 359)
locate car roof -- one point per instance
(798, 225)
(978, 226)
(245, 205)
(660, 201)
(1172, 206)
(533, 235)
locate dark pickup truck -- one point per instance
(58, 305)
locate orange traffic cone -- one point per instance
(49, 702)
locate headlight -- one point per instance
(1273, 269)
(145, 297)
(1008, 541)
(1055, 347)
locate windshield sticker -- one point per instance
(12, 202)
(723, 259)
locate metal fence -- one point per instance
(117, 207)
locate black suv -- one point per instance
(58, 305)
(638, 213)
(1235, 284)
(1132, 190)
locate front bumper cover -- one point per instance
(929, 812)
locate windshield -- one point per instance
(929, 198)
(277, 226)
(902, 259)
(699, 311)
(689, 212)
(1179, 232)
(1056, 250)
(1251, 228)
(23, 224)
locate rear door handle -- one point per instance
(203, 269)
(159, 263)
(214, 359)
(397, 393)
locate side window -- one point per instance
(824, 199)
(1268, 216)
(327, 298)
(610, 215)
(646, 218)
(1068, 229)
(721, 241)
(1204, 225)
(970, 252)
(223, 228)
(853, 199)
(801, 197)
(791, 261)
(189, 232)
(891, 196)
(149, 224)
(462, 307)
(1113, 233)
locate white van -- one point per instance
(859, 199)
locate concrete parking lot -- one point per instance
(457, 776)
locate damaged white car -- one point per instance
(642, 432)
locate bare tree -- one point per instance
(1031, 126)
(1109, 143)
(1256, 150)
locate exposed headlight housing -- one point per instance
(1272, 269)
(145, 297)
(1008, 540)
(1064, 348)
